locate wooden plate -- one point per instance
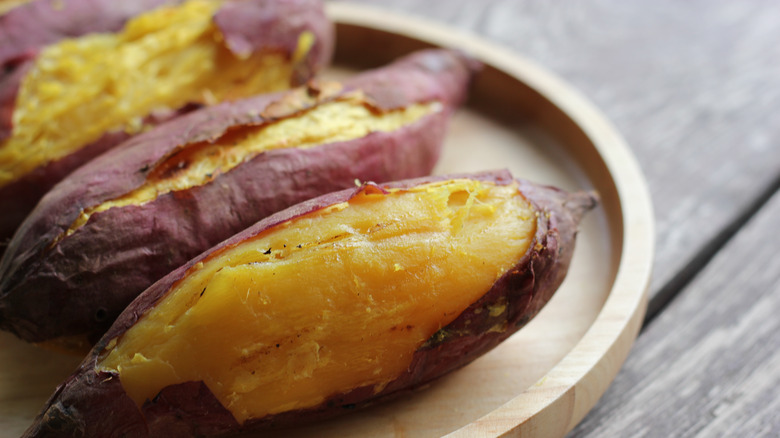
(544, 379)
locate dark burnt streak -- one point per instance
(171, 166)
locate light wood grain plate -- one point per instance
(544, 379)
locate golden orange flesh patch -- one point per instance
(7, 5)
(334, 300)
(81, 88)
(345, 119)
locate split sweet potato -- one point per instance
(336, 303)
(121, 222)
(78, 77)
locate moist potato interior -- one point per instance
(334, 300)
(81, 88)
(199, 163)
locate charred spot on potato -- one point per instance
(57, 418)
(168, 58)
(436, 339)
(317, 320)
(11, 66)
(101, 314)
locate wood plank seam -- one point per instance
(686, 274)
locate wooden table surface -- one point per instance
(694, 87)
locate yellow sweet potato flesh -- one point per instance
(333, 300)
(7, 5)
(345, 119)
(80, 88)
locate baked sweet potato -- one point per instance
(78, 77)
(336, 303)
(121, 222)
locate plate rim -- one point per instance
(575, 384)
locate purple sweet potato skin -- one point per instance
(24, 31)
(19, 198)
(190, 409)
(248, 26)
(80, 285)
(28, 27)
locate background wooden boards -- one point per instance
(709, 364)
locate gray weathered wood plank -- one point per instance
(694, 87)
(709, 365)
